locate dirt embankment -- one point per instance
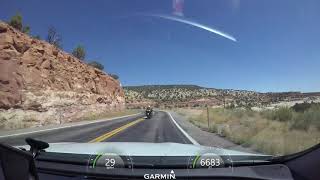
(40, 84)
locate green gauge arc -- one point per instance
(95, 160)
(195, 161)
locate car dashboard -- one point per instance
(139, 167)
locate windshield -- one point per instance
(241, 76)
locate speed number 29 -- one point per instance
(109, 163)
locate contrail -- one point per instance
(195, 24)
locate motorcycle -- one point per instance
(149, 113)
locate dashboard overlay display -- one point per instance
(208, 160)
(211, 158)
(109, 161)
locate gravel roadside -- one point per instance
(206, 138)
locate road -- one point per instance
(160, 128)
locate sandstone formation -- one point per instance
(40, 84)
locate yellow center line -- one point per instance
(115, 131)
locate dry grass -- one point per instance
(190, 112)
(276, 132)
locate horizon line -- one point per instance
(287, 91)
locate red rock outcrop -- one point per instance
(35, 75)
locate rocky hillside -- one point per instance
(40, 84)
(194, 96)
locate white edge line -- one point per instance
(183, 132)
(44, 130)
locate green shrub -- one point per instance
(301, 107)
(96, 64)
(310, 117)
(300, 122)
(16, 22)
(79, 52)
(26, 29)
(314, 114)
(283, 114)
(114, 76)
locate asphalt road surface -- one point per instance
(160, 128)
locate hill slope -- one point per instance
(194, 96)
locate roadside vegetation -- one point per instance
(17, 22)
(96, 64)
(114, 76)
(79, 52)
(278, 131)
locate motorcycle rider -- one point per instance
(149, 111)
(149, 108)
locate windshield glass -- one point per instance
(242, 76)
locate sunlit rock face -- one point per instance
(40, 84)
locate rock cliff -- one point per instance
(40, 84)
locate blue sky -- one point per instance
(278, 45)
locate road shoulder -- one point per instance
(206, 138)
